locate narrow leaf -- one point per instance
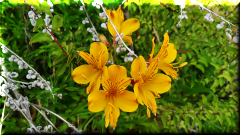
(61, 69)
(40, 37)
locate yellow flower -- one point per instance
(97, 60)
(148, 83)
(166, 56)
(126, 27)
(113, 96)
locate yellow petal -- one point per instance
(105, 72)
(97, 47)
(97, 100)
(151, 71)
(127, 101)
(117, 73)
(120, 14)
(138, 65)
(123, 84)
(112, 112)
(168, 69)
(160, 82)
(150, 101)
(138, 93)
(153, 46)
(129, 26)
(94, 84)
(128, 39)
(172, 53)
(166, 39)
(84, 74)
(114, 17)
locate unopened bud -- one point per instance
(103, 39)
(183, 64)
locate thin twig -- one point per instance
(89, 18)
(69, 124)
(5, 116)
(45, 117)
(201, 5)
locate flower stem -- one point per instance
(111, 54)
(114, 56)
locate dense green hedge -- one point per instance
(200, 95)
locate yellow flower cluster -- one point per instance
(147, 82)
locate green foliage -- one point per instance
(200, 99)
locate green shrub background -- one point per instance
(201, 86)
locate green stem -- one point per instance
(114, 55)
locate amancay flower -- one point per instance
(113, 96)
(97, 60)
(125, 27)
(148, 83)
(166, 56)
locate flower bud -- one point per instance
(235, 39)
(103, 39)
(20, 62)
(20, 66)
(126, 59)
(10, 59)
(16, 60)
(118, 50)
(97, 6)
(219, 26)
(130, 59)
(183, 64)
(229, 36)
(123, 49)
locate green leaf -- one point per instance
(232, 49)
(69, 76)
(175, 121)
(200, 67)
(61, 69)
(87, 121)
(40, 37)
(169, 24)
(204, 99)
(226, 75)
(215, 84)
(40, 23)
(57, 22)
(53, 45)
(228, 120)
(72, 88)
(220, 119)
(200, 125)
(201, 117)
(45, 8)
(59, 59)
(164, 120)
(193, 79)
(203, 61)
(221, 81)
